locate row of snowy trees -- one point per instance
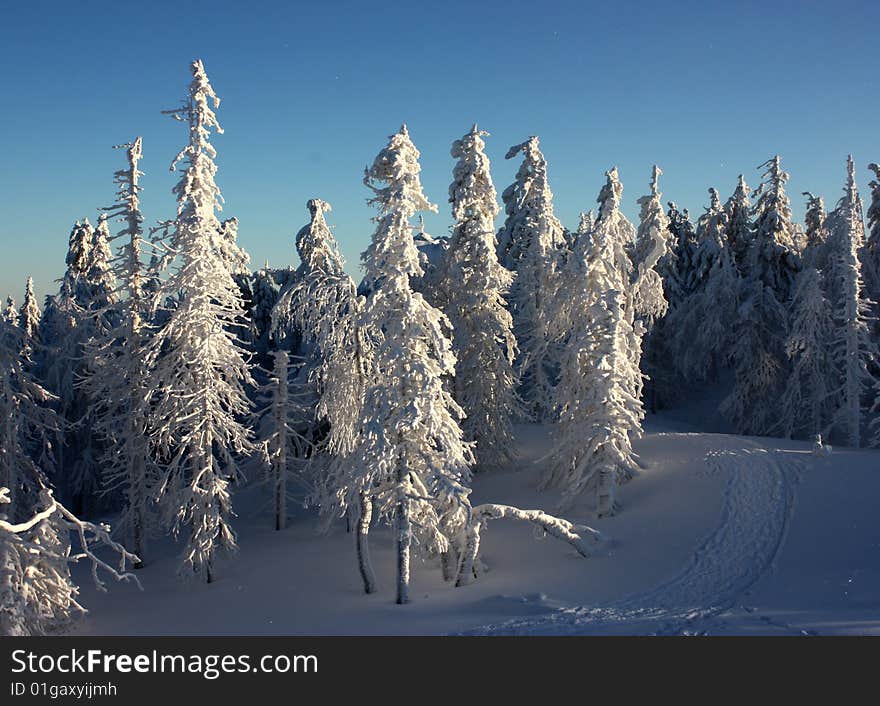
(148, 355)
(160, 372)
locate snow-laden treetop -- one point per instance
(472, 192)
(394, 179)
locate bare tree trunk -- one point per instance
(605, 492)
(404, 539)
(365, 565)
(466, 572)
(136, 498)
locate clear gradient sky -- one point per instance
(311, 90)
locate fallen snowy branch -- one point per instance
(87, 534)
(584, 539)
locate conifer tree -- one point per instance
(529, 244)
(199, 372)
(852, 347)
(413, 461)
(807, 400)
(116, 363)
(771, 264)
(476, 283)
(29, 316)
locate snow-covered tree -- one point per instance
(10, 313)
(711, 237)
(29, 316)
(592, 448)
(701, 328)
(852, 347)
(116, 366)
(739, 222)
(807, 399)
(100, 273)
(485, 381)
(80, 310)
(596, 316)
(650, 247)
(585, 222)
(529, 244)
(264, 296)
(772, 256)
(815, 232)
(199, 373)
(771, 264)
(321, 306)
(412, 461)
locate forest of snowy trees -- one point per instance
(164, 375)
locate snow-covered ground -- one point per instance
(719, 535)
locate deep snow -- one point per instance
(719, 535)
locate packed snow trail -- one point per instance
(756, 511)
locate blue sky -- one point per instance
(312, 90)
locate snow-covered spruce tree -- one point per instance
(10, 313)
(597, 316)
(642, 298)
(79, 310)
(805, 407)
(585, 223)
(758, 355)
(100, 273)
(683, 282)
(29, 316)
(413, 459)
(710, 237)
(650, 249)
(852, 347)
(321, 309)
(321, 304)
(815, 231)
(592, 449)
(199, 372)
(739, 222)
(485, 381)
(117, 381)
(264, 296)
(529, 244)
(238, 263)
(700, 329)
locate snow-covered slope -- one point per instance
(719, 535)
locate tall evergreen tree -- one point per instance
(807, 402)
(701, 328)
(414, 460)
(759, 359)
(199, 372)
(529, 244)
(29, 316)
(116, 363)
(852, 347)
(739, 222)
(485, 381)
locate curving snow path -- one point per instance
(757, 505)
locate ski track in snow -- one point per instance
(757, 506)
